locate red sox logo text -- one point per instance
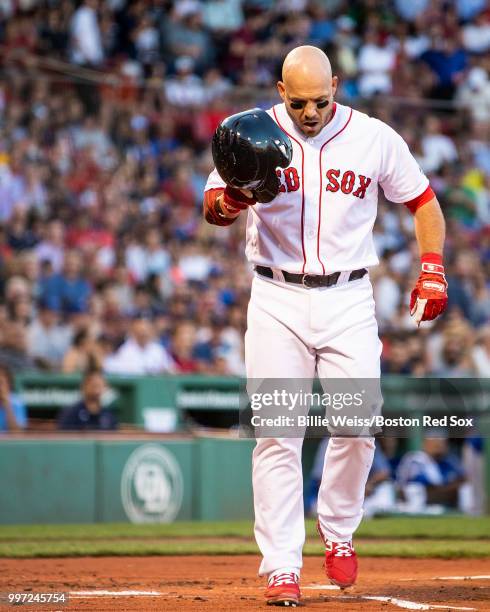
(347, 182)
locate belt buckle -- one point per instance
(305, 283)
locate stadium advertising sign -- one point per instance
(151, 485)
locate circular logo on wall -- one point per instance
(151, 485)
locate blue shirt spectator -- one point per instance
(419, 468)
(67, 291)
(13, 413)
(89, 413)
(459, 296)
(78, 417)
(467, 9)
(434, 470)
(409, 11)
(323, 27)
(446, 64)
(18, 410)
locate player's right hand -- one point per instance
(235, 199)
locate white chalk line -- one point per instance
(406, 604)
(462, 578)
(446, 578)
(401, 603)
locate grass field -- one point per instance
(441, 537)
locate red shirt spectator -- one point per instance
(179, 188)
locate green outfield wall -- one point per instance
(103, 480)
(48, 482)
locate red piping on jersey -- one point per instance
(302, 187)
(321, 190)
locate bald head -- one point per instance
(306, 64)
(307, 88)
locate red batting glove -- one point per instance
(429, 297)
(234, 200)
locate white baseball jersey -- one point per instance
(322, 219)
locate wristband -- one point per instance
(434, 258)
(432, 263)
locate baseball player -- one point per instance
(309, 238)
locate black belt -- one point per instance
(312, 280)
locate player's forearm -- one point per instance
(215, 212)
(430, 228)
(429, 298)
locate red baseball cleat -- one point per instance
(340, 562)
(283, 590)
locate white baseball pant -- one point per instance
(293, 332)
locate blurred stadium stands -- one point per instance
(106, 113)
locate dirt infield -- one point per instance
(230, 583)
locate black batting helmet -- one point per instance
(247, 149)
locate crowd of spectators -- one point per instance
(106, 114)
(440, 477)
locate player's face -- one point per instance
(309, 107)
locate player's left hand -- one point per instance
(429, 297)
